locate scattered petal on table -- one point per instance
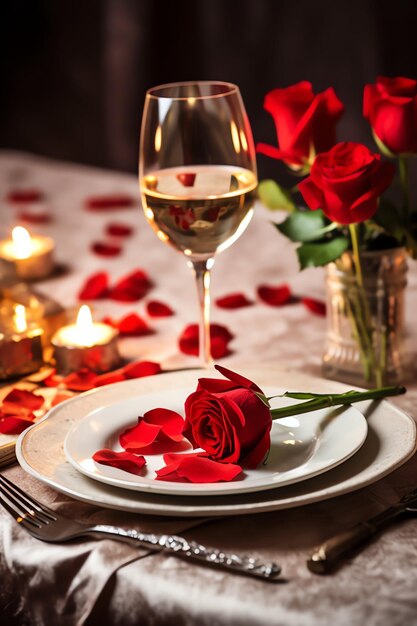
(82, 380)
(220, 338)
(315, 306)
(122, 460)
(105, 249)
(156, 308)
(95, 287)
(14, 424)
(22, 196)
(187, 179)
(275, 295)
(34, 217)
(117, 229)
(110, 202)
(61, 397)
(133, 325)
(140, 369)
(24, 398)
(132, 287)
(196, 469)
(233, 301)
(116, 376)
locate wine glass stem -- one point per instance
(201, 271)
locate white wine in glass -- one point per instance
(197, 172)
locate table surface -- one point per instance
(108, 582)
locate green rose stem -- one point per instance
(322, 401)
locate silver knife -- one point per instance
(325, 557)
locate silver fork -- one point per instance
(47, 525)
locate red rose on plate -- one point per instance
(346, 182)
(390, 106)
(228, 420)
(305, 123)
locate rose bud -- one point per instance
(305, 123)
(228, 420)
(346, 182)
(390, 106)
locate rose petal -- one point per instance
(109, 202)
(140, 436)
(116, 229)
(275, 296)
(139, 369)
(315, 306)
(34, 217)
(105, 249)
(24, 398)
(13, 424)
(109, 378)
(220, 337)
(187, 179)
(132, 287)
(22, 196)
(125, 461)
(171, 422)
(61, 397)
(82, 380)
(233, 301)
(197, 469)
(156, 308)
(95, 287)
(133, 325)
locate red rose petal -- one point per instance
(155, 308)
(13, 424)
(105, 249)
(109, 378)
(139, 369)
(61, 397)
(187, 179)
(109, 202)
(157, 425)
(171, 422)
(53, 380)
(219, 335)
(22, 196)
(140, 436)
(97, 286)
(274, 296)
(133, 325)
(34, 217)
(82, 380)
(125, 461)
(132, 287)
(315, 306)
(197, 469)
(25, 399)
(233, 301)
(116, 229)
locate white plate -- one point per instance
(391, 440)
(301, 446)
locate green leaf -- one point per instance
(303, 225)
(275, 197)
(317, 254)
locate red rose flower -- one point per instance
(390, 106)
(346, 182)
(305, 123)
(228, 420)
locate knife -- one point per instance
(325, 557)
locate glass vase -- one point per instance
(364, 343)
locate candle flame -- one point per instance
(20, 323)
(84, 325)
(22, 243)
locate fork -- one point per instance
(47, 525)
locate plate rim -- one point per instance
(163, 507)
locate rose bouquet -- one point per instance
(352, 210)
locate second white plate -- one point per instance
(302, 446)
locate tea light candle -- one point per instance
(31, 255)
(85, 344)
(20, 345)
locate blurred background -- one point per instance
(74, 74)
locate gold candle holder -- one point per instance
(85, 344)
(33, 256)
(20, 346)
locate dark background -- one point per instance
(74, 73)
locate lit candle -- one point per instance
(31, 255)
(20, 344)
(85, 344)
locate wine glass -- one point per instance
(197, 174)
